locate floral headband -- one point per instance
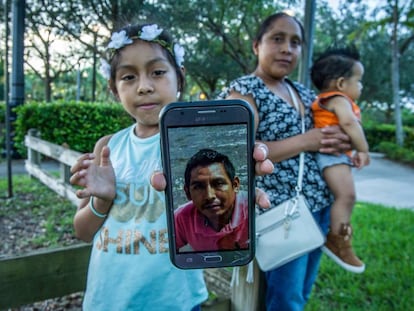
(148, 33)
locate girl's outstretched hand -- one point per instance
(95, 180)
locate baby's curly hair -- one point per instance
(333, 63)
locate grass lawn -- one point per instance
(383, 238)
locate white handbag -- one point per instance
(288, 230)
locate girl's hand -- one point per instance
(95, 180)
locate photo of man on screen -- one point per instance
(216, 216)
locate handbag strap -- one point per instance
(302, 154)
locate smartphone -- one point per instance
(207, 158)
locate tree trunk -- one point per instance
(48, 85)
(395, 76)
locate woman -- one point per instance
(278, 45)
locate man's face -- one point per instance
(212, 191)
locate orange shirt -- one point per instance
(323, 117)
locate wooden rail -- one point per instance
(36, 148)
(43, 275)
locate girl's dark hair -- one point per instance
(132, 31)
(267, 23)
(333, 63)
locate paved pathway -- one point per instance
(383, 181)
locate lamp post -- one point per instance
(16, 80)
(6, 100)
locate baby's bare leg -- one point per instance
(341, 183)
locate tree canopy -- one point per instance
(62, 38)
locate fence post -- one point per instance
(32, 155)
(65, 170)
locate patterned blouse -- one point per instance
(278, 121)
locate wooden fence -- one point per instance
(58, 272)
(43, 275)
(38, 148)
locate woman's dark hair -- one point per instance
(267, 23)
(132, 32)
(333, 63)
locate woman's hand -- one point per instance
(263, 164)
(334, 140)
(330, 139)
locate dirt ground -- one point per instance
(15, 232)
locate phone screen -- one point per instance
(207, 157)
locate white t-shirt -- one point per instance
(130, 267)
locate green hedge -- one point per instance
(76, 124)
(381, 138)
(2, 111)
(394, 152)
(379, 133)
(79, 125)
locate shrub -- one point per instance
(76, 124)
(2, 109)
(378, 133)
(80, 124)
(394, 152)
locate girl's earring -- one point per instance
(178, 95)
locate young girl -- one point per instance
(121, 213)
(129, 268)
(337, 73)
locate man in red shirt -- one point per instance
(216, 218)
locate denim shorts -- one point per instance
(326, 160)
